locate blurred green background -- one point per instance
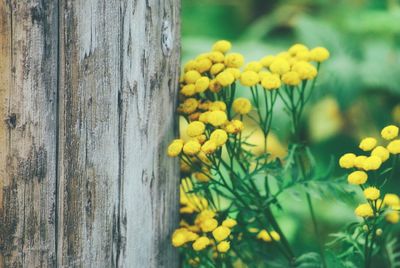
(358, 89)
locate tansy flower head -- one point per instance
(359, 161)
(268, 237)
(279, 66)
(234, 71)
(223, 247)
(208, 225)
(209, 147)
(175, 148)
(253, 66)
(390, 132)
(201, 243)
(191, 76)
(271, 82)
(217, 106)
(225, 78)
(249, 78)
(230, 223)
(216, 56)
(195, 128)
(191, 147)
(357, 177)
(267, 61)
(202, 84)
(392, 217)
(217, 68)
(391, 200)
(394, 147)
(368, 144)
(221, 233)
(203, 65)
(305, 70)
(234, 60)
(364, 211)
(371, 193)
(233, 127)
(222, 46)
(296, 48)
(217, 118)
(189, 106)
(291, 78)
(219, 136)
(188, 90)
(214, 86)
(381, 152)
(372, 163)
(347, 160)
(319, 54)
(241, 106)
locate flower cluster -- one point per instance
(218, 173)
(365, 173)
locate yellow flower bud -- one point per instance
(209, 147)
(357, 177)
(381, 152)
(392, 217)
(267, 61)
(319, 54)
(202, 84)
(221, 233)
(175, 148)
(364, 211)
(391, 200)
(394, 147)
(347, 160)
(208, 225)
(390, 132)
(217, 118)
(371, 193)
(249, 78)
(223, 247)
(279, 66)
(234, 60)
(191, 76)
(219, 136)
(217, 106)
(291, 78)
(372, 163)
(229, 223)
(201, 243)
(195, 128)
(271, 82)
(222, 46)
(188, 90)
(189, 105)
(253, 66)
(216, 56)
(241, 106)
(191, 147)
(359, 161)
(225, 78)
(368, 144)
(268, 237)
(203, 65)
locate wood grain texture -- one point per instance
(28, 87)
(87, 97)
(148, 182)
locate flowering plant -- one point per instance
(229, 193)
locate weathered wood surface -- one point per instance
(87, 92)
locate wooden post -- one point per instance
(87, 101)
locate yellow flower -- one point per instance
(347, 160)
(291, 78)
(233, 127)
(249, 78)
(296, 48)
(267, 60)
(209, 147)
(201, 243)
(371, 193)
(217, 68)
(394, 147)
(364, 211)
(319, 54)
(191, 147)
(203, 117)
(271, 82)
(191, 76)
(381, 152)
(234, 71)
(368, 144)
(303, 55)
(219, 136)
(175, 148)
(392, 217)
(222, 46)
(208, 225)
(391, 200)
(188, 90)
(189, 105)
(390, 132)
(241, 106)
(217, 106)
(372, 163)
(216, 56)
(203, 176)
(305, 70)
(279, 66)
(229, 223)
(359, 161)
(357, 177)
(190, 65)
(202, 84)
(195, 128)
(253, 66)
(223, 247)
(234, 60)
(217, 118)
(178, 238)
(268, 237)
(225, 78)
(221, 233)
(203, 65)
